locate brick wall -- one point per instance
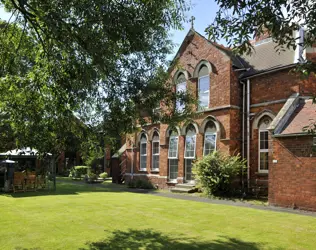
(275, 86)
(292, 180)
(280, 85)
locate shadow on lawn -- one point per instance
(149, 239)
(69, 188)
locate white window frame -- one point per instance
(140, 154)
(262, 151)
(177, 90)
(185, 148)
(176, 157)
(169, 168)
(210, 133)
(209, 89)
(158, 154)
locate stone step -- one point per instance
(179, 190)
(185, 186)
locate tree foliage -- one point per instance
(74, 70)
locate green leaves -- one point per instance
(216, 172)
(101, 62)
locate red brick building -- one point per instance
(252, 105)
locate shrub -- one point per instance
(139, 183)
(92, 176)
(81, 170)
(103, 175)
(216, 172)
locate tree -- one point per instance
(238, 22)
(101, 61)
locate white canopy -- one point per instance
(21, 152)
(7, 161)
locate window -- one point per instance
(204, 88)
(189, 152)
(143, 152)
(209, 138)
(181, 88)
(155, 152)
(190, 143)
(173, 146)
(264, 144)
(173, 169)
(173, 155)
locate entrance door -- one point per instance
(189, 176)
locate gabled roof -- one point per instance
(265, 58)
(235, 60)
(304, 115)
(297, 114)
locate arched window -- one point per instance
(155, 151)
(204, 88)
(143, 152)
(264, 123)
(209, 138)
(189, 151)
(173, 155)
(181, 87)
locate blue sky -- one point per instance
(203, 10)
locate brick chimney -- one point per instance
(260, 37)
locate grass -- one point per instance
(89, 217)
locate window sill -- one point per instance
(172, 182)
(143, 170)
(155, 170)
(262, 173)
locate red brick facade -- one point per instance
(268, 93)
(292, 179)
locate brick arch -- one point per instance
(199, 65)
(151, 133)
(260, 115)
(172, 128)
(195, 125)
(139, 135)
(212, 119)
(181, 71)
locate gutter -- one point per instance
(269, 71)
(291, 135)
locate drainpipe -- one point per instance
(132, 166)
(248, 134)
(243, 131)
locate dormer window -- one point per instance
(204, 88)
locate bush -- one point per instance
(92, 176)
(103, 175)
(144, 184)
(216, 172)
(81, 170)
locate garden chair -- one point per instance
(31, 181)
(18, 182)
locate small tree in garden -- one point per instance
(216, 172)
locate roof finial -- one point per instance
(192, 22)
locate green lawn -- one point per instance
(80, 217)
